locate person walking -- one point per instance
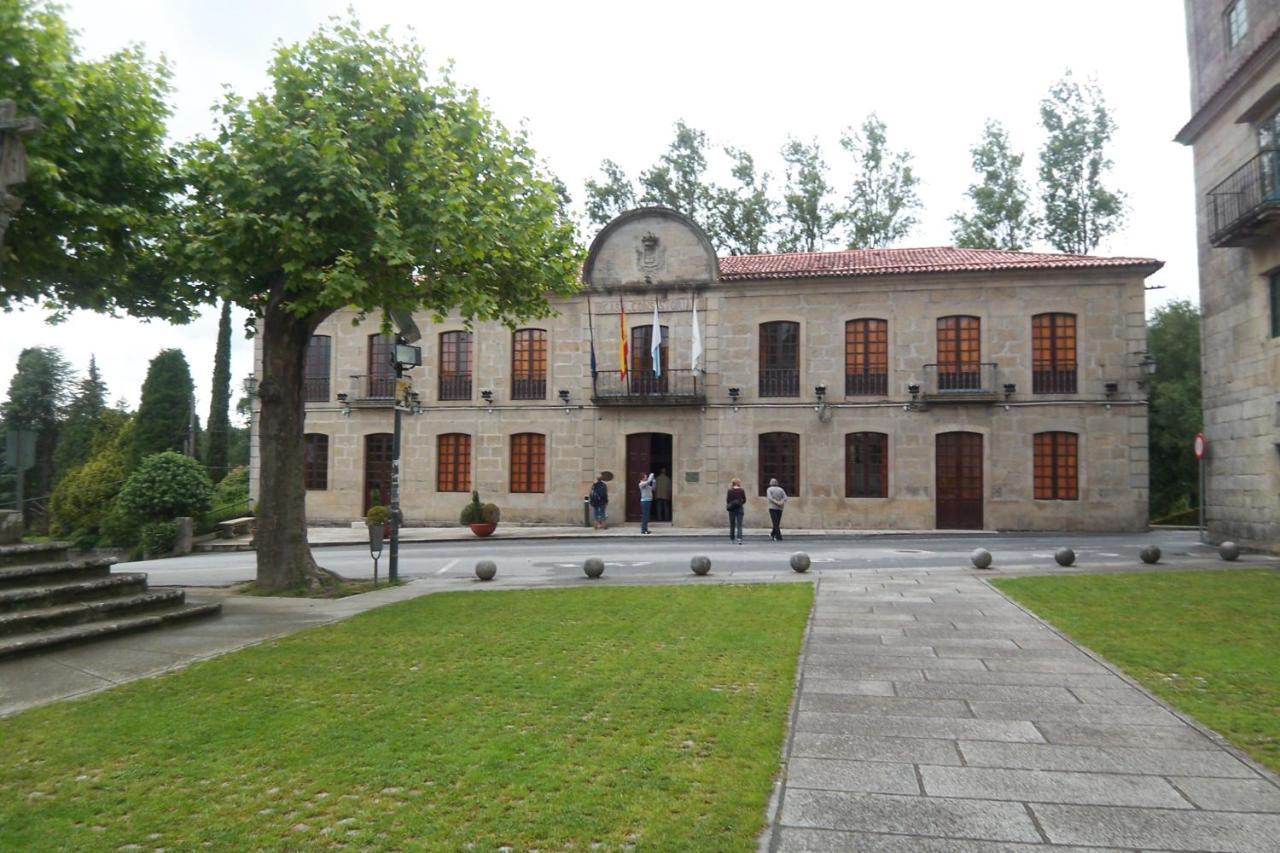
(777, 499)
(735, 500)
(599, 499)
(662, 496)
(646, 501)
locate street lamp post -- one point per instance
(404, 357)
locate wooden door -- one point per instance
(639, 462)
(377, 469)
(959, 481)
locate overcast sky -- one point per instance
(596, 80)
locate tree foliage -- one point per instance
(610, 196)
(167, 485)
(742, 214)
(84, 497)
(84, 414)
(357, 180)
(1173, 339)
(678, 180)
(38, 396)
(164, 412)
(1079, 211)
(882, 202)
(808, 220)
(1001, 218)
(98, 207)
(217, 429)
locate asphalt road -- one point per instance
(658, 557)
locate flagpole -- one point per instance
(591, 330)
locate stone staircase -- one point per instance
(48, 599)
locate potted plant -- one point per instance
(379, 515)
(481, 518)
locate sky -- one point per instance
(596, 80)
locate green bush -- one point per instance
(472, 512)
(158, 537)
(120, 528)
(167, 485)
(489, 513)
(84, 496)
(377, 515)
(230, 500)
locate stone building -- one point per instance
(1234, 132)
(885, 389)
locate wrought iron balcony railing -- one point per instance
(455, 387)
(374, 388)
(643, 387)
(1053, 381)
(960, 381)
(315, 390)
(866, 384)
(528, 389)
(1247, 204)
(780, 382)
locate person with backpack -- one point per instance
(599, 500)
(734, 501)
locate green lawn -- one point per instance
(550, 719)
(1206, 642)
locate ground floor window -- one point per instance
(1056, 466)
(866, 465)
(315, 465)
(453, 462)
(528, 462)
(780, 460)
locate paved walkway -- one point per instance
(936, 715)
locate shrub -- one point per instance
(472, 512)
(489, 513)
(158, 537)
(119, 526)
(167, 485)
(377, 515)
(230, 500)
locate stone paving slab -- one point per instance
(966, 724)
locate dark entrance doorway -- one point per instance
(959, 480)
(377, 469)
(646, 452)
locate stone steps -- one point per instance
(48, 599)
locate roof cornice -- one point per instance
(1248, 69)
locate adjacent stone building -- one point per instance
(886, 389)
(1235, 134)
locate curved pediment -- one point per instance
(650, 247)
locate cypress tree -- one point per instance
(164, 414)
(216, 430)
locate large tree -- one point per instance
(611, 195)
(678, 180)
(84, 413)
(357, 180)
(38, 396)
(882, 202)
(164, 420)
(1173, 339)
(1000, 218)
(219, 424)
(808, 219)
(1079, 211)
(100, 179)
(742, 214)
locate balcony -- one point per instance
(1053, 381)
(528, 389)
(373, 391)
(1245, 208)
(779, 382)
(315, 390)
(455, 387)
(644, 388)
(961, 383)
(866, 384)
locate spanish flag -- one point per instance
(623, 343)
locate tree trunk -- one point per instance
(284, 557)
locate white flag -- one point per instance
(697, 340)
(655, 348)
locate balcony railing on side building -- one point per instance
(640, 387)
(1247, 203)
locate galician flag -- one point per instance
(622, 339)
(655, 348)
(697, 340)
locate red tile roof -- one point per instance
(860, 262)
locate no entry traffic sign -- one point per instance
(1199, 445)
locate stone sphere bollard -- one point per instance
(1150, 554)
(486, 569)
(981, 558)
(700, 564)
(1064, 556)
(1229, 551)
(593, 566)
(800, 561)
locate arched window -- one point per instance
(315, 381)
(315, 461)
(528, 462)
(381, 379)
(1057, 466)
(780, 359)
(453, 462)
(529, 364)
(780, 459)
(455, 366)
(866, 357)
(866, 465)
(1053, 353)
(959, 353)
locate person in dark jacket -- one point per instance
(599, 499)
(735, 500)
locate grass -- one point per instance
(1206, 642)
(554, 719)
(339, 589)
